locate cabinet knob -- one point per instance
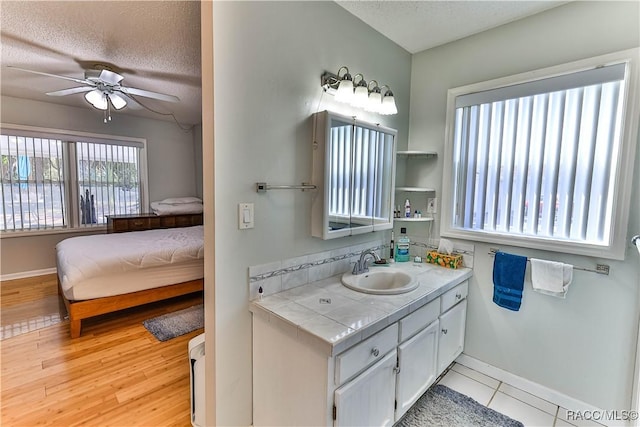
(444, 331)
(375, 352)
(458, 296)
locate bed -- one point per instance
(103, 273)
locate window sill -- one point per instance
(34, 233)
(613, 251)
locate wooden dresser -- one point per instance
(149, 221)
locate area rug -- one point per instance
(178, 323)
(441, 406)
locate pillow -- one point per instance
(180, 200)
(180, 208)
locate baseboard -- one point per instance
(25, 274)
(536, 389)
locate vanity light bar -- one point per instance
(359, 93)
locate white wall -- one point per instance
(268, 60)
(583, 346)
(171, 161)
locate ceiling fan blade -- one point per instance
(110, 77)
(82, 81)
(70, 91)
(149, 94)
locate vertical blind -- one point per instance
(33, 183)
(44, 179)
(356, 177)
(539, 158)
(108, 181)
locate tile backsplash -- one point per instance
(283, 275)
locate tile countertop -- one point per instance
(332, 317)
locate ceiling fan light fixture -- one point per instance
(102, 89)
(117, 101)
(97, 98)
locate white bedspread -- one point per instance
(112, 264)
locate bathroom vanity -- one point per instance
(327, 355)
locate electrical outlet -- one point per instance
(432, 206)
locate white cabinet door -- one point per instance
(417, 359)
(451, 342)
(368, 399)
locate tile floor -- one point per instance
(530, 410)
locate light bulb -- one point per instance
(96, 98)
(117, 101)
(345, 89)
(388, 104)
(360, 97)
(374, 103)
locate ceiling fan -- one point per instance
(102, 88)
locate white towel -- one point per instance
(550, 277)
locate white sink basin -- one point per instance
(381, 281)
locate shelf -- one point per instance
(417, 153)
(416, 189)
(413, 219)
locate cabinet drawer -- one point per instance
(365, 353)
(454, 296)
(419, 319)
(183, 221)
(118, 225)
(168, 221)
(138, 224)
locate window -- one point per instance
(60, 180)
(543, 162)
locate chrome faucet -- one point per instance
(361, 265)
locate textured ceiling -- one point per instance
(420, 25)
(155, 45)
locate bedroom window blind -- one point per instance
(33, 183)
(53, 180)
(540, 159)
(108, 181)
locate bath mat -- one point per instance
(178, 323)
(441, 406)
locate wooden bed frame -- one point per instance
(84, 309)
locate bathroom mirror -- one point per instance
(354, 171)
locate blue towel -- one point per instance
(508, 280)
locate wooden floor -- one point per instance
(115, 374)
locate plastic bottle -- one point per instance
(407, 209)
(402, 247)
(391, 246)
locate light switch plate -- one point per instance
(245, 216)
